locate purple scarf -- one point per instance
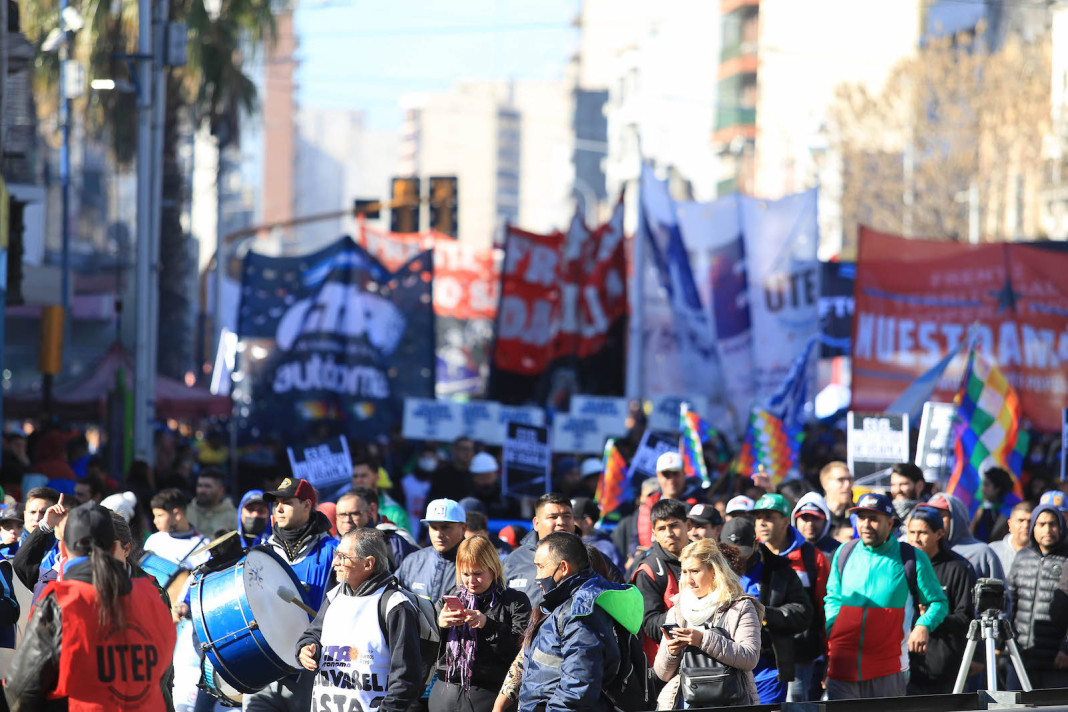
(463, 639)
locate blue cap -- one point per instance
(873, 502)
(1055, 498)
(931, 515)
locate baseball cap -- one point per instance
(591, 466)
(705, 515)
(810, 508)
(669, 461)
(253, 497)
(301, 489)
(445, 510)
(473, 504)
(931, 515)
(13, 513)
(87, 524)
(874, 502)
(1054, 498)
(774, 503)
(122, 503)
(741, 533)
(482, 463)
(585, 507)
(939, 501)
(741, 503)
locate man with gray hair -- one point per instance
(362, 661)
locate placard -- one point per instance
(324, 466)
(611, 412)
(934, 449)
(579, 435)
(652, 446)
(664, 416)
(526, 459)
(480, 420)
(431, 419)
(524, 414)
(876, 441)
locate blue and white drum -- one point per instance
(246, 629)
(212, 683)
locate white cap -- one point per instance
(741, 503)
(591, 466)
(445, 510)
(669, 461)
(483, 462)
(121, 503)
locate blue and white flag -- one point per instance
(921, 390)
(788, 403)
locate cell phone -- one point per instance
(669, 629)
(452, 603)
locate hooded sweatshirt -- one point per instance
(249, 539)
(826, 543)
(982, 558)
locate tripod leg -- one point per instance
(991, 661)
(1017, 663)
(965, 664)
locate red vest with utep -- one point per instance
(116, 672)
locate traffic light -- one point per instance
(404, 207)
(370, 209)
(443, 205)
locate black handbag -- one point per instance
(705, 681)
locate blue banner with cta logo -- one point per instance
(331, 343)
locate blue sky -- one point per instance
(366, 55)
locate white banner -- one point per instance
(665, 413)
(482, 421)
(579, 435)
(431, 419)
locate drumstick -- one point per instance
(291, 596)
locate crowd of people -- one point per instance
(430, 590)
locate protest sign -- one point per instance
(526, 458)
(875, 441)
(651, 447)
(611, 413)
(579, 435)
(480, 420)
(664, 417)
(326, 466)
(431, 419)
(935, 445)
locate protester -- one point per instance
(417, 483)
(672, 482)
(124, 503)
(906, 488)
(362, 659)
(451, 479)
(480, 639)
(812, 519)
(211, 511)
(88, 488)
(573, 653)
(1038, 595)
(837, 483)
(10, 530)
(657, 574)
(254, 520)
(625, 536)
(869, 607)
(37, 559)
(96, 607)
(485, 486)
(586, 514)
(431, 572)
(787, 609)
(301, 536)
(740, 506)
(703, 521)
(1019, 535)
(773, 530)
(934, 672)
(38, 500)
(552, 513)
(478, 525)
(365, 473)
(956, 521)
(359, 508)
(715, 616)
(175, 538)
(989, 523)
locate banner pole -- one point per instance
(636, 323)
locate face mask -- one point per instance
(548, 583)
(428, 464)
(253, 526)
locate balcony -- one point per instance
(735, 116)
(740, 64)
(728, 6)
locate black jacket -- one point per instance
(497, 642)
(787, 610)
(936, 671)
(402, 636)
(657, 577)
(27, 561)
(1034, 582)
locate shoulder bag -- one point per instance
(705, 681)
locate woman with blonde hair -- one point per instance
(714, 619)
(480, 634)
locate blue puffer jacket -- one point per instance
(429, 574)
(313, 561)
(575, 652)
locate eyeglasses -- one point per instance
(352, 515)
(346, 558)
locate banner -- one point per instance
(466, 280)
(526, 459)
(432, 420)
(1064, 444)
(837, 280)
(562, 319)
(664, 413)
(331, 344)
(934, 449)
(580, 434)
(917, 299)
(875, 442)
(781, 237)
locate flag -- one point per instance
(788, 403)
(612, 490)
(986, 432)
(771, 444)
(693, 431)
(921, 390)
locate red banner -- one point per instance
(465, 278)
(560, 294)
(917, 299)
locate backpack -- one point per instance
(908, 558)
(629, 690)
(429, 634)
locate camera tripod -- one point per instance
(992, 629)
